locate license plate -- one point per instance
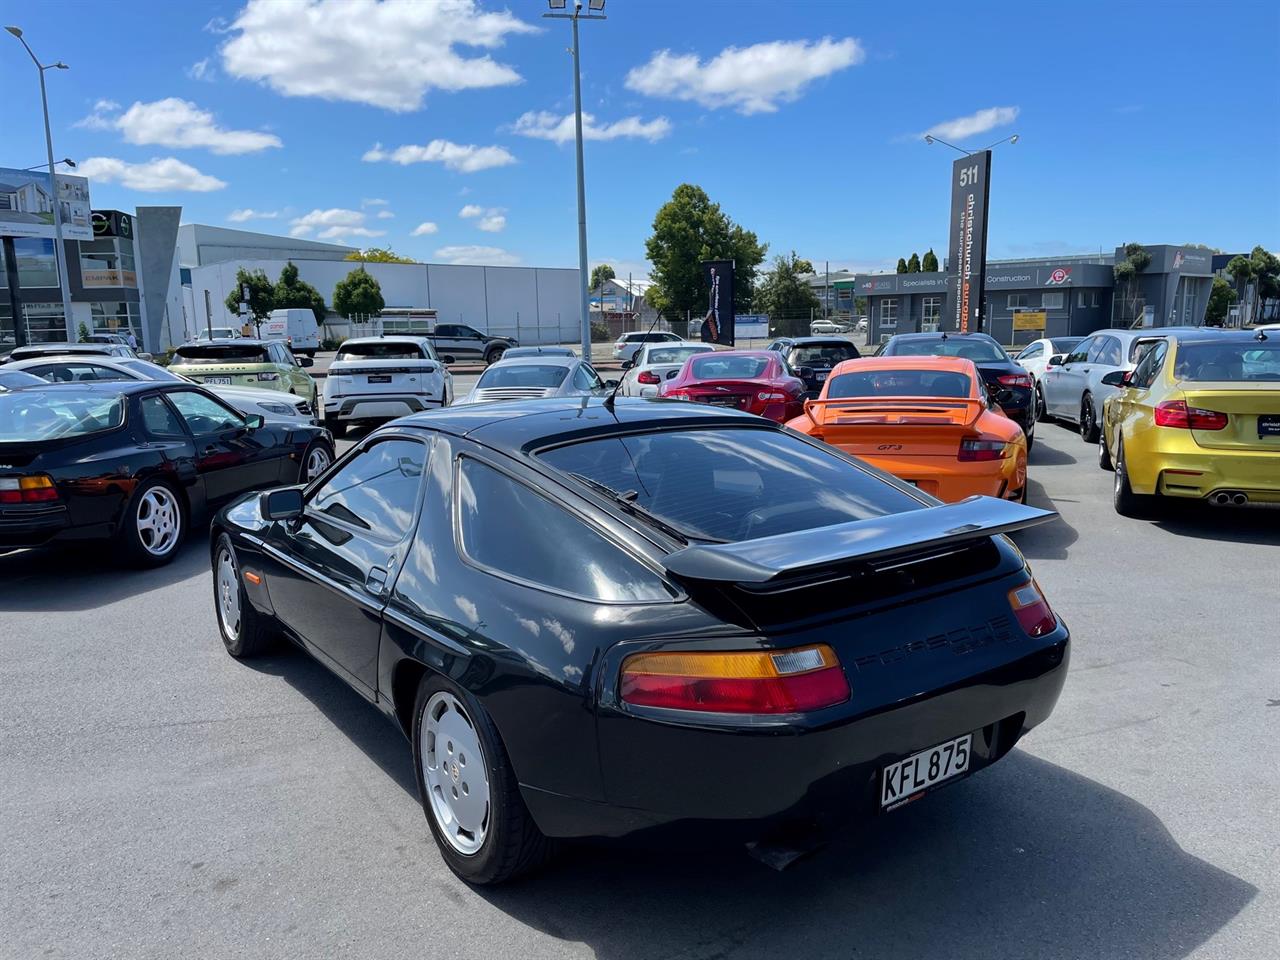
(907, 779)
(1269, 425)
(221, 381)
(723, 401)
(379, 378)
(821, 377)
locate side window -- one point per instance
(204, 415)
(376, 491)
(447, 330)
(584, 378)
(158, 418)
(1145, 374)
(1110, 353)
(1081, 352)
(468, 332)
(1033, 351)
(1095, 349)
(516, 533)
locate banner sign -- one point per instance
(968, 229)
(112, 223)
(1030, 320)
(26, 205)
(717, 325)
(751, 326)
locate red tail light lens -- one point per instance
(982, 448)
(1032, 609)
(35, 489)
(1015, 380)
(748, 681)
(1176, 413)
(647, 376)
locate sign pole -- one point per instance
(15, 293)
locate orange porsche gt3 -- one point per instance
(926, 420)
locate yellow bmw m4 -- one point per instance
(1198, 418)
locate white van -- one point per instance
(296, 325)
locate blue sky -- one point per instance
(1152, 122)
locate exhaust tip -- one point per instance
(1221, 498)
(1239, 499)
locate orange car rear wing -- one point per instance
(932, 411)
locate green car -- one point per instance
(246, 363)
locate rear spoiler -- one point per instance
(877, 407)
(786, 555)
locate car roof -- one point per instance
(229, 342)
(106, 359)
(393, 338)
(530, 360)
(810, 341)
(1217, 335)
(668, 344)
(947, 335)
(117, 386)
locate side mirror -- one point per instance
(611, 384)
(305, 361)
(1118, 378)
(627, 364)
(447, 358)
(147, 357)
(804, 373)
(1056, 360)
(282, 504)
(255, 421)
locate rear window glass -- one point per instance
(214, 353)
(51, 414)
(647, 337)
(822, 354)
(977, 350)
(1064, 344)
(150, 371)
(715, 367)
(673, 354)
(733, 484)
(523, 375)
(1228, 361)
(379, 351)
(900, 383)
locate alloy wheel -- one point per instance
(158, 521)
(455, 773)
(317, 462)
(227, 585)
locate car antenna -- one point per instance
(608, 401)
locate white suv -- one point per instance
(381, 378)
(630, 343)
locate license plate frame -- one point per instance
(380, 378)
(218, 381)
(820, 376)
(1268, 425)
(901, 781)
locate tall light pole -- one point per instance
(931, 139)
(59, 251)
(596, 6)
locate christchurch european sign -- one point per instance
(970, 176)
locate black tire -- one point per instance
(337, 427)
(1042, 412)
(253, 633)
(493, 355)
(1088, 420)
(513, 844)
(1030, 434)
(1127, 503)
(136, 540)
(1104, 455)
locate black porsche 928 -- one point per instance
(593, 621)
(135, 462)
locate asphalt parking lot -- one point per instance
(159, 799)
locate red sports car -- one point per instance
(756, 381)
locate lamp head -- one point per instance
(1014, 138)
(61, 66)
(928, 139)
(69, 162)
(596, 5)
(556, 4)
(16, 31)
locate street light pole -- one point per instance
(583, 280)
(59, 251)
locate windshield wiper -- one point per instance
(626, 501)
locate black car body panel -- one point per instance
(928, 643)
(96, 474)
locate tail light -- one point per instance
(677, 396)
(1015, 380)
(1176, 413)
(747, 681)
(647, 376)
(982, 448)
(268, 376)
(1032, 609)
(35, 489)
(766, 395)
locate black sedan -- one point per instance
(1007, 383)
(594, 620)
(813, 358)
(135, 462)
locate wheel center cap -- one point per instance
(453, 771)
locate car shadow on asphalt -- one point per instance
(89, 575)
(1043, 455)
(1048, 541)
(1251, 524)
(1026, 860)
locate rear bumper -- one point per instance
(377, 406)
(1174, 465)
(993, 478)
(744, 782)
(36, 525)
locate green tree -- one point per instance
(902, 265)
(1266, 277)
(378, 255)
(292, 292)
(785, 297)
(687, 230)
(1241, 270)
(803, 266)
(1220, 299)
(601, 275)
(930, 262)
(82, 332)
(1126, 271)
(913, 265)
(261, 295)
(358, 294)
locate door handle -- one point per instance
(210, 450)
(376, 581)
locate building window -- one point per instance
(931, 314)
(37, 266)
(1052, 301)
(107, 263)
(1095, 299)
(117, 317)
(45, 322)
(1080, 299)
(889, 312)
(1017, 300)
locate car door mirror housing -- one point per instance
(255, 421)
(804, 373)
(306, 362)
(611, 384)
(447, 359)
(1117, 378)
(1056, 360)
(627, 364)
(283, 504)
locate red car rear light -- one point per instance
(746, 681)
(1015, 380)
(767, 395)
(647, 376)
(34, 489)
(1032, 609)
(982, 448)
(1176, 413)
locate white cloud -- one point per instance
(493, 223)
(488, 219)
(342, 233)
(753, 79)
(385, 215)
(201, 70)
(158, 175)
(176, 123)
(491, 256)
(386, 54)
(335, 223)
(465, 158)
(425, 228)
(471, 210)
(542, 125)
(973, 124)
(240, 216)
(374, 202)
